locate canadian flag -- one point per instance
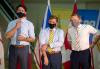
(67, 49)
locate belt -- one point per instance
(54, 52)
(18, 46)
(80, 50)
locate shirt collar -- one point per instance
(23, 19)
(78, 26)
(54, 29)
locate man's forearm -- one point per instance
(43, 49)
(29, 39)
(44, 53)
(11, 33)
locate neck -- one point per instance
(22, 18)
(77, 25)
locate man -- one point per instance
(1, 54)
(21, 33)
(78, 36)
(51, 40)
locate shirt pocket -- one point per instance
(24, 30)
(56, 38)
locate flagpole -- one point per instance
(75, 1)
(22, 3)
(49, 2)
(49, 5)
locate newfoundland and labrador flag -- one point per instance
(45, 24)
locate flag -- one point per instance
(22, 3)
(45, 24)
(75, 9)
(67, 44)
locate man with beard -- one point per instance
(20, 32)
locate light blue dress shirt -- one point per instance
(27, 30)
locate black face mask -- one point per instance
(20, 14)
(52, 26)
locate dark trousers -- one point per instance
(80, 60)
(55, 61)
(18, 53)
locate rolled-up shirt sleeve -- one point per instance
(60, 41)
(92, 30)
(10, 26)
(42, 37)
(31, 31)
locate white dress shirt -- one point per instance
(27, 30)
(84, 31)
(57, 41)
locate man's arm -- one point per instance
(43, 49)
(96, 39)
(27, 39)
(31, 34)
(11, 33)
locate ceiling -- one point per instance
(61, 1)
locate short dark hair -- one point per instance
(22, 7)
(54, 17)
(76, 15)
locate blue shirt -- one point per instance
(27, 30)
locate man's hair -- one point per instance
(54, 17)
(76, 15)
(24, 7)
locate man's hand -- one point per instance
(92, 45)
(46, 61)
(50, 50)
(18, 24)
(44, 47)
(21, 38)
